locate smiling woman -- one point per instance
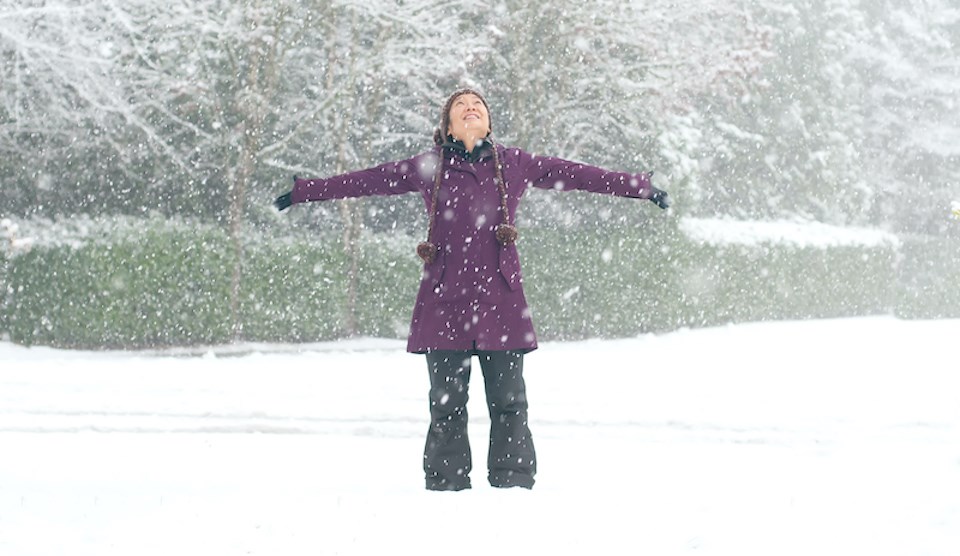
(468, 119)
(471, 300)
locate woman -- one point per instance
(471, 300)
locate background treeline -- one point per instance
(191, 116)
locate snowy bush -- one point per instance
(609, 282)
(9, 244)
(159, 287)
(621, 283)
(738, 271)
(387, 281)
(740, 283)
(137, 283)
(4, 293)
(134, 283)
(928, 273)
(292, 292)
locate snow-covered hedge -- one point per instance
(291, 292)
(633, 281)
(136, 283)
(159, 286)
(610, 282)
(8, 244)
(739, 271)
(928, 278)
(144, 283)
(299, 290)
(4, 293)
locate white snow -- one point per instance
(802, 233)
(792, 438)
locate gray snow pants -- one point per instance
(447, 461)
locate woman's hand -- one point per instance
(284, 201)
(660, 198)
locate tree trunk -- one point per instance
(259, 82)
(349, 208)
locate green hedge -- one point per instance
(171, 286)
(651, 280)
(163, 288)
(4, 293)
(740, 283)
(387, 281)
(292, 292)
(611, 283)
(928, 278)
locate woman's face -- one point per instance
(468, 117)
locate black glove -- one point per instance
(660, 198)
(284, 201)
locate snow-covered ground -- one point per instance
(837, 437)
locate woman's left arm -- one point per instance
(547, 172)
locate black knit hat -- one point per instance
(440, 135)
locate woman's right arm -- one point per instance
(392, 178)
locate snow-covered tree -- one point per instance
(66, 128)
(911, 65)
(610, 82)
(207, 107)
(853, 119)
(790, 144)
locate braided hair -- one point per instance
(506, 232)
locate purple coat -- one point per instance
(471, 295)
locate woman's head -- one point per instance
(465, 114)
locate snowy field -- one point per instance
(838, 437)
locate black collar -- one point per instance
(481, 150)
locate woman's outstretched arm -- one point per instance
(547, 172)
(392, 178)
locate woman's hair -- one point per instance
(440, 135)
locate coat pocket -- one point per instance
(510, 267)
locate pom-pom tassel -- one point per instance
(507, 234)
(427, 251)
